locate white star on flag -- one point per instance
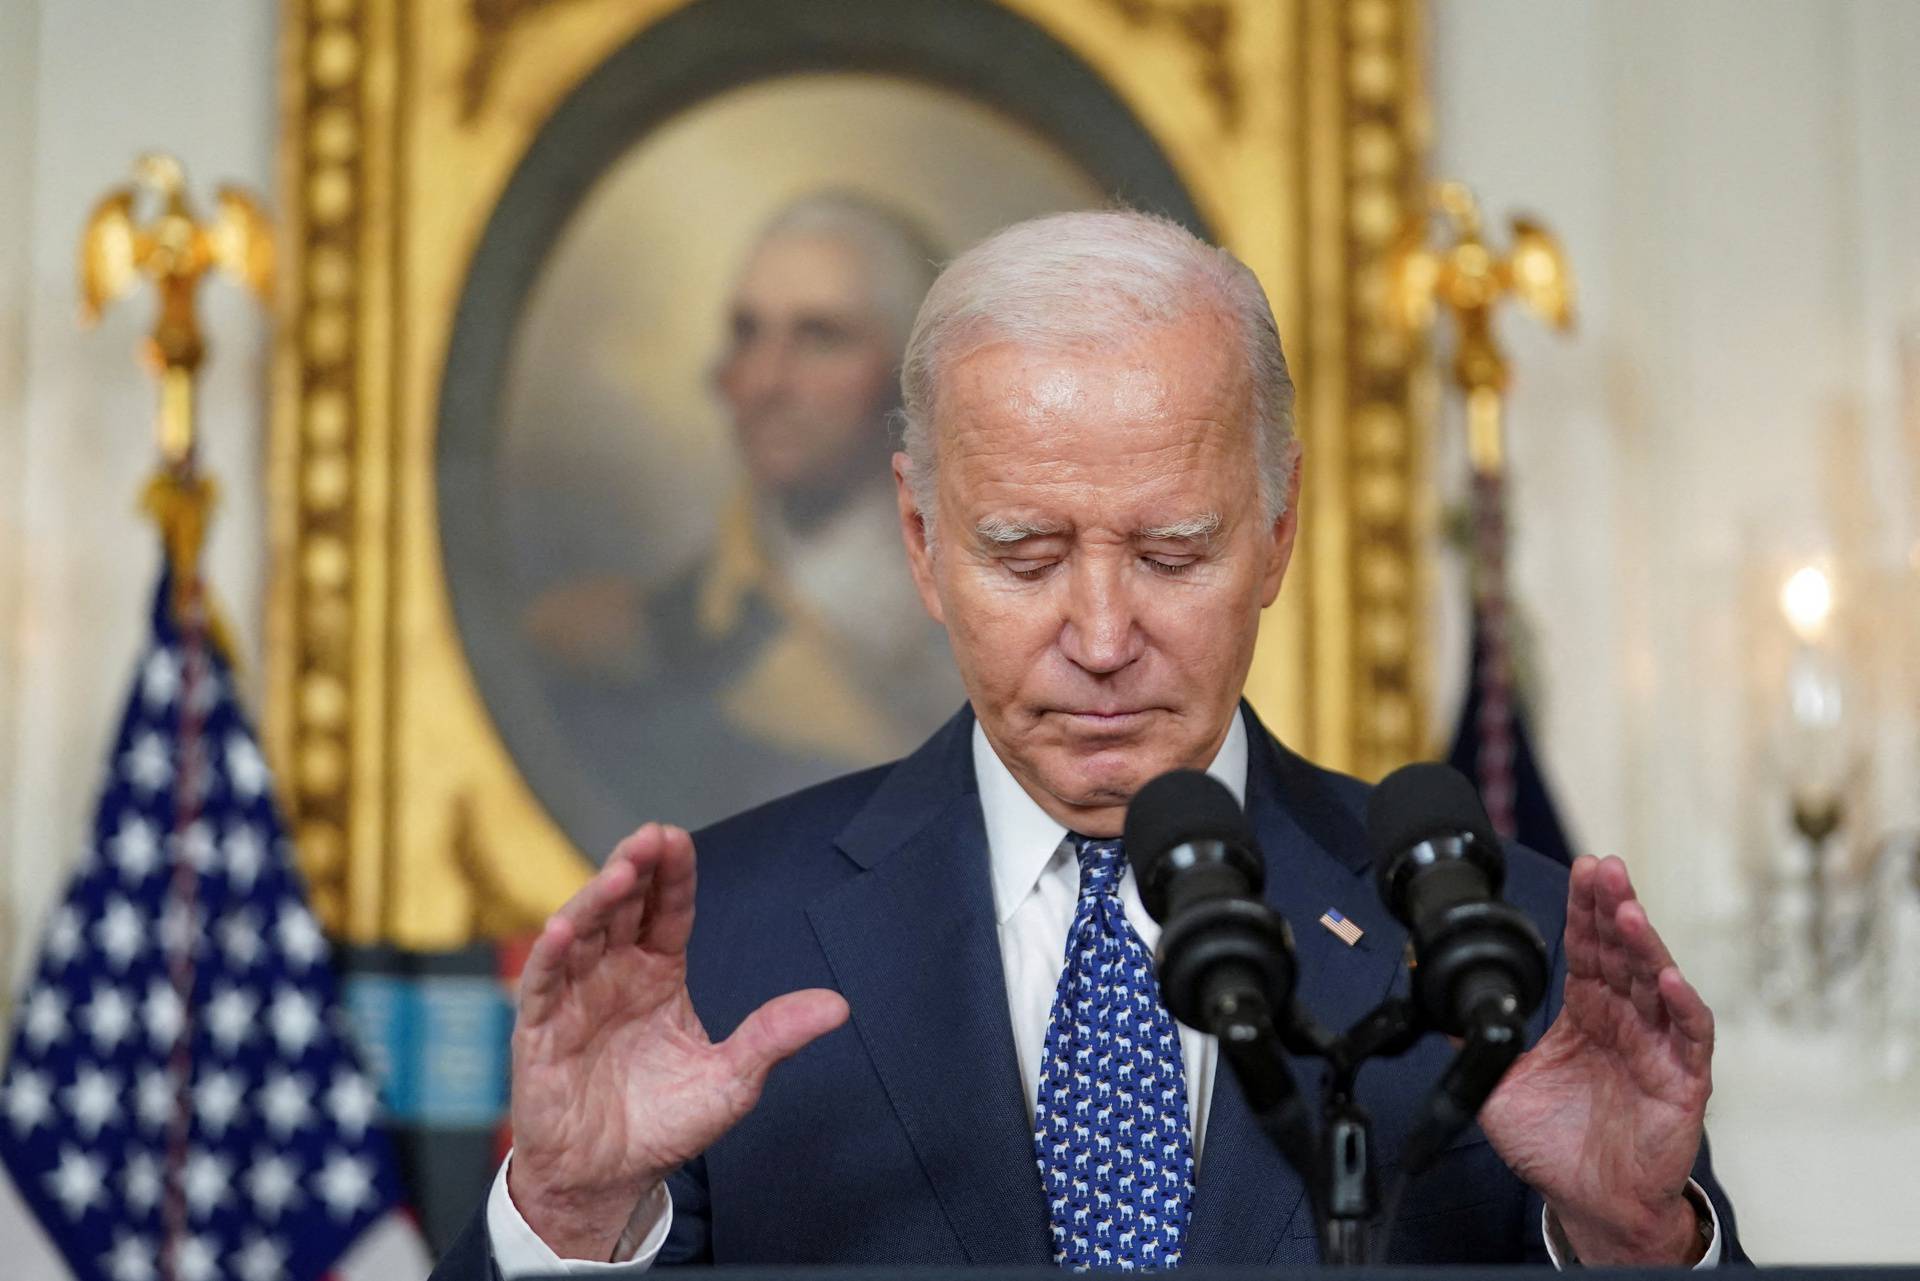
(197, 1259)
(245, 851)
(230, 1018)
(93, 1100)
(261, 1259)
(345, 1183)
(163, 1014)
(141, 1184)
(147, 766)
(154, 1099)
(240, 938)
(207, 1174)
(294, 1021)
(352, 1102)
(109, 1018)
(78, 1181)
(246, 768)
(29, 1101)
(283, 1102)
(121, 933)
(273, 1182)
(216, 1100)
(299, 936)
(160, 679)
(136, 850)
(131, 1258)
(46, 1021)
(197, 846)
(63, 938)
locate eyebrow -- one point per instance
(1002, 531)
(1194, 529)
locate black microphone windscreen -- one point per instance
(1419, 802)
(1179, 807)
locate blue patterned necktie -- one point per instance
(1110, 1126)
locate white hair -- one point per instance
(1093, 278)
(900, 260)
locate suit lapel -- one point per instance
(1247, 1195)
(914, 945)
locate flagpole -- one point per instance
(174, 251)
(1470, 281)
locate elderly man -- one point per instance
(1098, 497)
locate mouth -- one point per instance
(1106, 720)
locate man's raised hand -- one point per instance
(1604, 1116)
(615, 1083)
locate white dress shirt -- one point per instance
(1036, 882)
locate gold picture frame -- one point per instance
(1295, 126)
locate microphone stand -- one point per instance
(1336, 1162)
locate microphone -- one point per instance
(1225, 958)
(1439, 866)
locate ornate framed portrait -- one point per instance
(583, 401)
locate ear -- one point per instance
(913, 532)
(1280, 549)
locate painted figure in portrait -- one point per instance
(792, 647)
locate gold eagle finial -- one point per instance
(175, 251)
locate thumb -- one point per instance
(779, 1028)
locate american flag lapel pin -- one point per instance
(1340, 927)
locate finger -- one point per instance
(591, 908)
(1646, 958)
(1611, 889)
(669, 919)
(1690, 1017)
(1646, 950)
(642, 849)
(779, 1028)
(1583, 931)
(543, 977)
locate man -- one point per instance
(794, 646)
(1098, 497)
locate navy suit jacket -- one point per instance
(903, 1138)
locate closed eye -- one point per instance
(1029, 569)
(1170, 566)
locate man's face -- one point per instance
(1101, 557)
(808, 371)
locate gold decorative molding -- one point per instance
(1207, 26)
(1368, 560)
(1299, 142)
(492, 23)
(324, 371)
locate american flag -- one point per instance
(1343, 929)
(181, 1100)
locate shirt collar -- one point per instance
(1022, 837)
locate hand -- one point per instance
(615, 1084)
(1604, 1116)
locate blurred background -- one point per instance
(1712, 484)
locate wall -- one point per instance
(84, 89)
(1738, 186)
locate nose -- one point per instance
(1101, 633)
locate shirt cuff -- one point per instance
(1562, 1254)
(518, 1250)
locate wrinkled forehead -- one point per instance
(1190, 369)
(1168, 409)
